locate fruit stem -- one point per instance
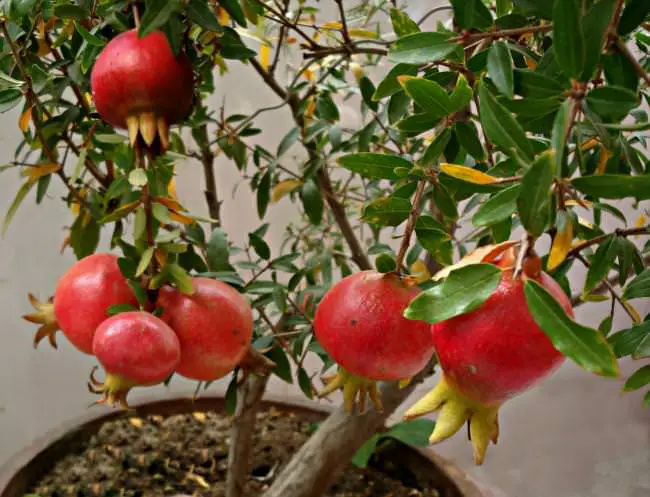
(136, 14)
(410, 225)
(526, 252)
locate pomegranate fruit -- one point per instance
(139, 84)
(214, 326)
(81, 300)
(489, 355)
(135, 349)
(359, 323)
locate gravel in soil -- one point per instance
(187, 454)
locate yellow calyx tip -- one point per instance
(146, 127)
(113, 390)
(356, 390)
(44, 316)
(455, 410)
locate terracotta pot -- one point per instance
(27, 467)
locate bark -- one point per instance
(320, 461)
(241, 433)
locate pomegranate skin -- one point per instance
(84, 294)
(498, 351)
(359, 323)
(214, 326)
(138, 347)
(134, 75)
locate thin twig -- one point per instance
(207, 161)
(410, 225)
(601, 238)
(502, 33)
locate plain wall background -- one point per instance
(574, 435)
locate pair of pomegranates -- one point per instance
(202, 336)
(487, 355)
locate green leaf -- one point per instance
(234, 9)
(445, 201)
(639, 379)
(614, 186)
(388, 211)
(263, 194)
(283, 368)
(559, 133)
(84, 237)
(9, 81)
(390, 85)
(120, 308)
(402, 24)
(367, 91)
(260, 246)
(536, 85)
(138, 177)
(601, 263)
(497, 208)
(470, 14)
(418, 123)
(326, 108)
(9, 99)
(533, 201)
(585, 346)
(70, 12)
(218, 251)
(612, 102)
(429, 95)
(499, 65)
(312, 201)
(232, 46)
(467, 136)
(305, 383)
(594, 26)
(462, 94)
(372, 165)
(365, 452)
(430, 233)
(501, 127)
(503, 7)
(633, 15)
(145, 260)
(180, 278)
(18, 199)
(626, 342)
(287, 142)
(541, 8)
(643, 349)
(231, 395)
(89, 38)
(421, 48)
(156, 15)
(436, 148)
(199, 13)
(464, 290)
(415, 433)
(385, 263)
(639, 287)
(568, 38)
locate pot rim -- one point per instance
(22, 464)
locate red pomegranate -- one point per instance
(214, 326)
(359, 323)
(487, 356)
(81, 300)
(135, 349)
(139, 84)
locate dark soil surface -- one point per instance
(187, 454)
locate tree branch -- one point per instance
(410, 224)
(638, 68)
(207, 160)
(599, 239)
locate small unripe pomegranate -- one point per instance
(139, 84)
(360, 324)
(214, 326)
(135, 349)
(488, 356)
(81, 301)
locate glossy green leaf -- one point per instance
(84, 237)
(594, 26)
(612, 102)
(218, 252)
(415, 433)
(614, 186)
(402, 24)
(89, 38)
(418, 123)
(601, 263)
(283, 368)
(585, 346)
(634, 13)
(388, 211)
(365, 452)
(260, 246)
(533, 84)
(180, 278)
(231, 396)
(385, 263)
(626, 342)
(421, 48)
(9, 99)
(501, 127)
(471, 14)
(499, 64)
(304, 383)
(233, 8)
(156, 15)
(436, 148)
(638, 379)
(145, 260)
(559, 133)
(464, 290)
(200, 13)
(18, 199)
(389, 86)
(263, 194)
(533, 201)
(467, 136)
(568, 37)
(429, 95)
(288, 141)
(643, 349)
(639, 287)
(462, 94)
(542, 8)
(373, 165)
(70, 12)
(497, 208)
(367, 89)
(430, 233)
(312, 201)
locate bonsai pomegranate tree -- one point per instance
(487, 152)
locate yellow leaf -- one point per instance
(357, 70)
(291, 40)
(531, 63)
(137, 422)
(171, 188)
(487, 253)
(561, 246)
(362, 33)
(170, 203)
(25, 119)
(308, 75)
(575, 203)
(585, 223)
(404, 78)
(284, 188)
(35, 173)
(265, 55)
(404, 383)
(420, 271)
(589, 144)
(160, 256)
(636, 317)
(641, 222)
(43, 48)
(198, 479)
(311, 108)
(467, 174)
(224, 17)
(332, 25)
(181, 218)
(75, 207)
(602, 160)
(69, 28)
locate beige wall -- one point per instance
(573, 436)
